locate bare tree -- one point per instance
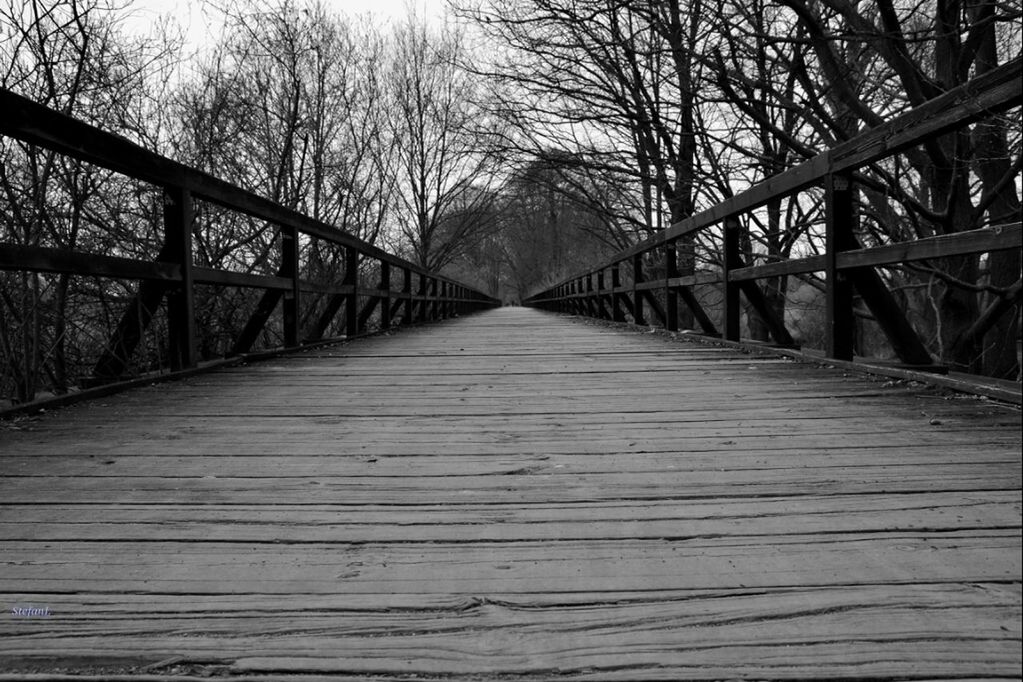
(444, 167)
(690, 106)
(71, 55)
(871, 60)
(290, 105)
(613, 83)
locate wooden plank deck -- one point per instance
(515, 495)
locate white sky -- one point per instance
(191, 16)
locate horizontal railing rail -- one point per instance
(171, 278)
(601, 291)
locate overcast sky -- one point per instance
(190, 14)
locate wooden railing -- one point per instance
(400, 289)
(602, 291)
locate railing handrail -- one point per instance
(41, 126)
(990, 93)
(994, 91)
(172, 275)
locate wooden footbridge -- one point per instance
(514, 493)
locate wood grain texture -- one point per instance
(515, 495)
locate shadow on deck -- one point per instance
(515, 493)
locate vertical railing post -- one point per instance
(586, 284)
(385, 295)
(731, 261)
(421, 295)
(592, 304)
(600, 294)
(427, 300)
(617, 314)
(670, 292)
(839, 227)
(438, 295)
(178, 213)
(637, 293)
(352, 301)
(444, 313)
(433, 299)
(292, 297)
(406, 292)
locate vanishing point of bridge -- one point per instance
(513, 494)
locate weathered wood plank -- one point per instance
(511, 489)
(469, 464)
(688, 630)
(663, 563)
(652, 519)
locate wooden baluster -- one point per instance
(427, 303)
(406, 292)
(617, 313)
(385, 285)
(839, 236)
(731, 260)
(433, 299)
(637, 294)
(421, 295)
(593, 294)
(670, 292)
(352, 302)
(178, 213)
(292, 297)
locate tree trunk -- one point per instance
(992, 166)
